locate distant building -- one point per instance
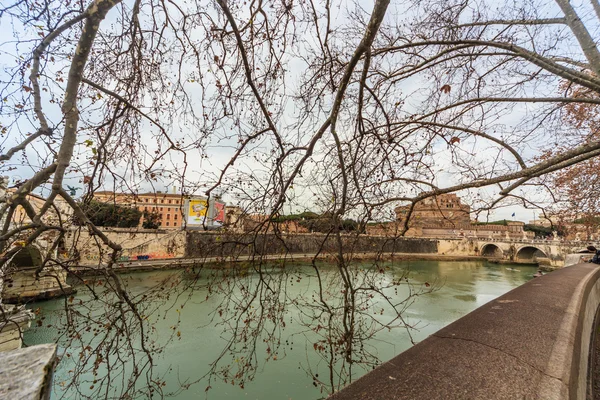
(60, 211)
(580, 231)
(545, 222)
(445, 209)
(234, 219)
(571, 227)
(445, 216)
(169, 206)
(512, 230)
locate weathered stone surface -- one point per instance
(209, 244)
(26, 374)
(25, 285)
(13, 322)
(531, 343)
(154, 243)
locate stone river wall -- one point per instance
(143, 244)
(148, 244)
(209, 244)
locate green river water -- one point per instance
(461, 287)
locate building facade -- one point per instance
(60, 211)
(168, 206)
(254, 222)
(445, 216)
(446, 209)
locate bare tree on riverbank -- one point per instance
(398, 102)
(574, 187)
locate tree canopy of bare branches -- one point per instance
(344, 107)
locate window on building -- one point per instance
(170, 201)
(167, 223)
(175, 216)
(168, 216)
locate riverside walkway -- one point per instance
(532, 343)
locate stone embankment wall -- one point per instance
(137, 244)
(166, 244)
(25, 284)
(210, 244)
(458, 247)
(532, 343)
(148, 244)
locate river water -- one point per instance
(460, 287)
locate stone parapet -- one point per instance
(531, 343)
(26, 374)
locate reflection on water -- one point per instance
(463, 286)
(466, 297)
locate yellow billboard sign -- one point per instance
(196, 212)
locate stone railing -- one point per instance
(26, 374)
(531, 343)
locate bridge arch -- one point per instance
(491, 250)
(529, 253)
(28, 256)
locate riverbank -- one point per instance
(221, 262)
(531, 343)
(166, 247)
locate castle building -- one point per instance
(445, 209)
(445, 216)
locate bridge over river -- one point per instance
(556, 253)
